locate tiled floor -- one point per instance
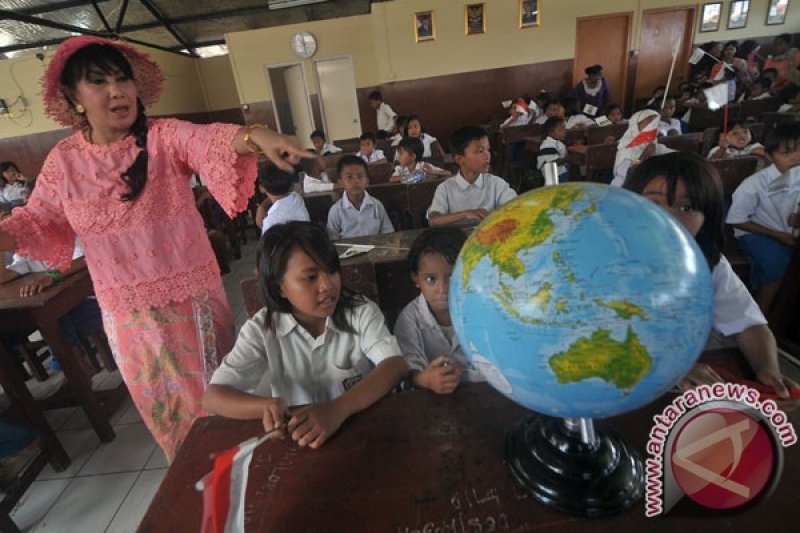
(108, 486)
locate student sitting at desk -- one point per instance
(284, 203)
(431, 145)
(411, 166)
(553, 109)
(553, 147)
(424, 329)
(315, 342)
(667, 125)
(368, 152)
(356, 213)
(322, 147)
(791, 99)
(737, 143)
(689, 188)
(765, 214)
(471, 194)
(315, 178)
(637, 144)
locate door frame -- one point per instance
(272, 92)
(626, 65)
(319, 90)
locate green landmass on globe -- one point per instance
(622, 364)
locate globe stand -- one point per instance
(566, 464)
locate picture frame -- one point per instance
(474, 19)
(776, 12)
(529, 15)
(711, 16)
(424, 26)
(738, 14)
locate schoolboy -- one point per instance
(385, 114)
(368, 152)
(356, 213)
(322, 147)
(553, 147)
(470, 195)
(409, 156)
(285, 205)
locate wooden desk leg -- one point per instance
(15, 386)
(79, 382)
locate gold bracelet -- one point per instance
(253, 147)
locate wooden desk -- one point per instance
(416, 461)
(42, 312)
(406, 203)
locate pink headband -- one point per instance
(146, 73)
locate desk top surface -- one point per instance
(11, 300)
(416, 461)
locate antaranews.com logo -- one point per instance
(718, 444)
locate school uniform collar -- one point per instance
(463, 184)
(347, 204)
(427, 320)
(285, 323)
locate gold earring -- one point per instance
(80, 109)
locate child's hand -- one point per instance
(475, 214)
(648, 152)
(699, 375)
(794, 220)
(441, 376)
(274, 413)
(35, 287)
(787, 238)
(723, 141)
(311, 426)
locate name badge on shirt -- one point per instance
(590, 110)
(351, 382)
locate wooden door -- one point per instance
(336, 85)
(661, 28)
(603, 40)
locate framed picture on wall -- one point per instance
(424, 26)
(737, 18)
(776, 12)
(474, 19)
(712, 14)
(528, 13)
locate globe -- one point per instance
(581, 300)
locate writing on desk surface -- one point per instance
(475, 511)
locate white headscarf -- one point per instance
(624, 151)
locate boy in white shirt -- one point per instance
(553, 147)
(553, 109)
(469, 196)
(356, 213)
(516, 117)
(736, 143)
(322, 147)
(368, 152)
(765, 213)
(668, 125)
(759, 90)
(409, 156)
(285, 204)
(385, 114)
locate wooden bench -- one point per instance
(380, 173)
(753, 109)
(599, 134)
(318, 204)
(599, 159)
(688, 142)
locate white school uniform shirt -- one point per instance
(665, 127)
(762, 96)
(520, 120)
(386, 117)
(427, 142)
(288, 362)
(12, 192)
(732, 151)
(578, 119)
(321, 184)
(541, 119)
(328, 149)
(344, 220)
(396, 138)
(785, 108)
(22, 264)
(559, 146)
(374, 157)
(734, 307)
(290, 207)
(457, 194)
(422, 340)
(400, 170)
(754, 202)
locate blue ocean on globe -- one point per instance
(581, 300)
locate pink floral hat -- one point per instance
(146, 73)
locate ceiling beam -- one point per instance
(55, 6)
(155, 12)
(214, 15)
(102, 17)
(121, 16)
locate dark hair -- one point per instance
(375, 95)
(444, 241)
(735, 44)
(593, 70)
(274, 251)
(110, 60)
(571, 105)
(766, 83)
(400, 122)
(463, 136)
(551, 124)
(350, 159)
(409, 118)
(660, 88)
(319, 134)
(787, 133)
(5, 165)
(771, 70)
(703, 185)
(276, 181)
(367, 136)
(412, 146)
(788, 93)
(612, 107)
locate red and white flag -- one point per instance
(225, 486)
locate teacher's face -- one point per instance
(109, 100)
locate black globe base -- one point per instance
(565, 464)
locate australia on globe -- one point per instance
(581, 300)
